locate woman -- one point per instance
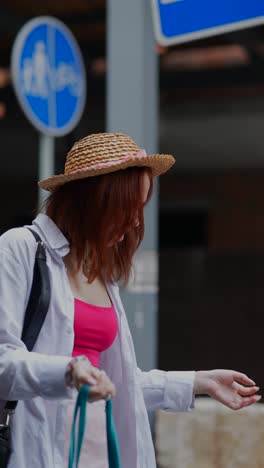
(92, 228)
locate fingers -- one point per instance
(246, 401)
(239, 402)
(251, 400)
(243, 378)
(101, 386)
(96, 373)
(104, 389)
(85, 374)
(84, 378)
(105, 386)
(245, 391)
(246, 396)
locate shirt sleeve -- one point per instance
(167, 391)
(23, 374)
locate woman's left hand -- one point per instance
(231, 388)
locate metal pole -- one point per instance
(46, 163)
(132, 107)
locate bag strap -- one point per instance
(38, 303)
(112, 442)
(39, 299)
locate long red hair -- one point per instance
(95, 212)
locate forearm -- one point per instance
(25, 375)
(169, 391)
(201, 383)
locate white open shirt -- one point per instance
(37, 378)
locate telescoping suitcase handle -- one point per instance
(112, 442)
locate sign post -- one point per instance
(178, 21)
(132, 107)
(49, 80)
(46, 162)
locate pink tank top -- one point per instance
(95, 329)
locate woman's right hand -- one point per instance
(101, 387)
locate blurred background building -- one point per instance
(211, 214)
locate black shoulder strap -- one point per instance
(38, 302)
(37, 237)
(39, 299)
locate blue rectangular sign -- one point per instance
(179, 21)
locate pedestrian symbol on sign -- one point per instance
(35, 72)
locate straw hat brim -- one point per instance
(159, 163)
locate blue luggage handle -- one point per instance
(112, 442)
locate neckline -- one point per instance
(76, 299)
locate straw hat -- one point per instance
(102, 153)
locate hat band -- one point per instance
(141, 154)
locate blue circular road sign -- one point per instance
(48, 75)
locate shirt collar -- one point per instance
(51, 235)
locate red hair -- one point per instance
(93, 213)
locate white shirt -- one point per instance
(37, 378)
